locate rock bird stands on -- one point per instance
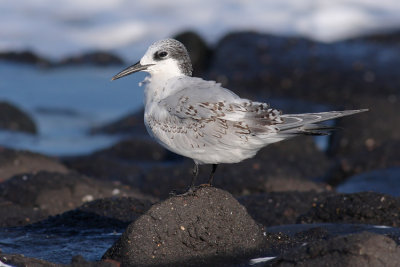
(203, 121)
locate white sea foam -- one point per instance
(59, 28)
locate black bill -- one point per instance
(132, 69)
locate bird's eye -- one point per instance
(162, 54)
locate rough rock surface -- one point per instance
(359, 250)
(114, 212)
(270, 65)
(366, 207)
(194, 228)
(137, 149)
(384, 156)
(30, 197)
(278, 208)
(125, 209)
(21, 260)
(14, 119)
(13, 162)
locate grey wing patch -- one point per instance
(219, 111)
(242, 117)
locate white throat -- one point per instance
(155, 88)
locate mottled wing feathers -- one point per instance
(207, 101)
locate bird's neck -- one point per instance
(156, 87)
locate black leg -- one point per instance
(195, 174)
(214, 168)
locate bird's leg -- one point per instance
(195, 175)
(192, 187)
(214, 168)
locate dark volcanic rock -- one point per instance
(14, 119)
(288, 240)
(77, 261)
(367, 132)
(107, 168)
(115, 212)
(45, 193)
(139, 149)
(125, 209)
(277, 208)
(26, 57)
(284, 166)
(21, 260)
(296, 67)
(367, 207)
(193, 229)
(382, 157)
(12, 214)
(13, 162)
(391, 37)
(359, 250)
(125, 161)
(98, 58)
(368, 141)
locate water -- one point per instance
(57, 246)
(384, 181)
(65, 103)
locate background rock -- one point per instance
(363, 249)
(13, 162)
(278, 66)
(366, 207)
(278, 208)
(98, 58)
(46, 193)
(26, 57)
(14, 119)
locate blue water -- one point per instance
(65, 103)
(386, 181)
(57, 247)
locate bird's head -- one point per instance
(167, 56)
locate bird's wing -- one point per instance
(201, 100)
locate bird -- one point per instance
(206, 122)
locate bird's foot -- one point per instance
(190, 191)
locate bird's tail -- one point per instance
(309, 123)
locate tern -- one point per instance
(203, 121)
